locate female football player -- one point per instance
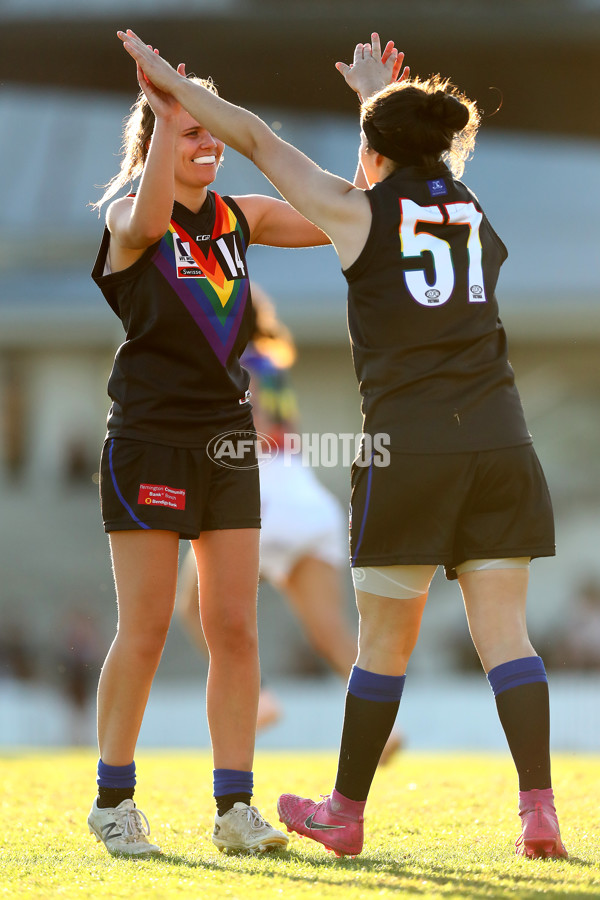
(172, 265)
(464, 488)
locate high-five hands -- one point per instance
(153, 67)
(371, 69)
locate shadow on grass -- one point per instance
(468, 883)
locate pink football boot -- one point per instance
(540, 838)
(338, 832)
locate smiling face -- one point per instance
(197, 159)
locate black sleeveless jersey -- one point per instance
(429, 349)
(185, 307)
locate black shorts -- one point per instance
(446, 508)
(153, 486)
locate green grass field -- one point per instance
(436, 826)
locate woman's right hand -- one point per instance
(372, 69)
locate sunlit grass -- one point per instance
(436, 826)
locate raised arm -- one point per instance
(330, 202)
(136, 223)
(368, 74)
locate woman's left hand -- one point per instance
(372, 69)
(163, 105)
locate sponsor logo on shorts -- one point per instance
(161, 495)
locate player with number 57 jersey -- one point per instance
(431, 354)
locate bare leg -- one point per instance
(145, 571)
(314, 591)
(228, 572)
(495, 603)
(187, 604)
(388, 632)
(188, 609)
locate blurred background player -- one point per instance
(303, 541)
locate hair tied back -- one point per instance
(449, 110)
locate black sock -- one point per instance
(367, 726)
(524, 713)
(226, 801)
(108, 798)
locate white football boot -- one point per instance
(243, 828)
(122, 829)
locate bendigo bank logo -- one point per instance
(242, 449)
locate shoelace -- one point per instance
(255, 818)
(133, 826)
(519, 841)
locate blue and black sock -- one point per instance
(232, 786)
(372, 704)
(115, 784)
(521, 691)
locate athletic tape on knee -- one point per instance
(372, 686)
(483, 565)
(515, 673)
(397, 582)
(232, 781)
(115, 776)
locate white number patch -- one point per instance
(415, 242)
(231, 257)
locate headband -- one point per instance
(381, 144)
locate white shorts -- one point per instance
(299, 517)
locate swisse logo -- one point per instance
(242, 449)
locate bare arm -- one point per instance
(365, 77)
(137, 222)
(328, 201)
(277, 224)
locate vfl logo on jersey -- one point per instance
(184, 261)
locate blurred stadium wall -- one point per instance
(66, 86)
